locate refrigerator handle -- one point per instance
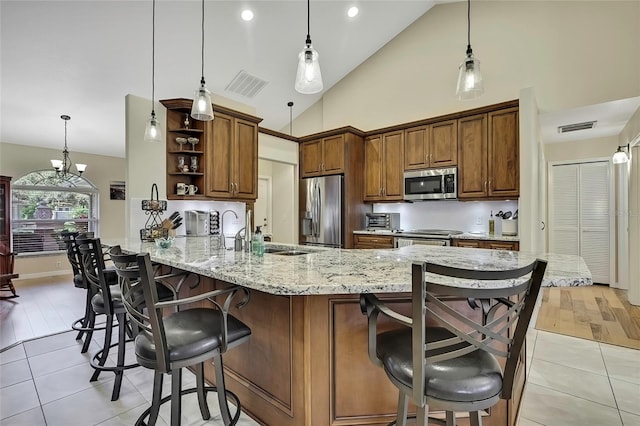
(319, 210)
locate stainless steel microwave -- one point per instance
(431, 184)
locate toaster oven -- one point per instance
(382, 221)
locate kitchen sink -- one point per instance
(287, 252)
(290, 252)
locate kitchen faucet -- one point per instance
(224, 244)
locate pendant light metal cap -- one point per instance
(308, 76)
(202, 109)
(153, 132)
(470, 83)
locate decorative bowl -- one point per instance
(164, 243)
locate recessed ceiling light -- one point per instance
(247, 15)
(352, 12)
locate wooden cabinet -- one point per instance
(488, 155)
(383, 167)
(181, 156)
(232, 158)
(434, 145)
(487, 244)
(323, 156)
(226, 155)
(5, 212)
(503, 163)
(373, 241)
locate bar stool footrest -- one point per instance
(207, 389)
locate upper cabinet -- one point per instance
(434, 145)
(226, 156)
(488, 155)
(324, 156)
(383, 166)
(232, 158)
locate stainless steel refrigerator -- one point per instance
(322, 200)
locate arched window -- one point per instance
(45, 203)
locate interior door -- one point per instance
(580, 215)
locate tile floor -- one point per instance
(571, 382)
(46, 382)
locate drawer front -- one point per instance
(373, 241)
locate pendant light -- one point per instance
(620, 156)
(153, 132)
(202, 109)
(63, 167)
(469, 77)
(308, 77)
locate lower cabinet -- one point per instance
(487, 244)
(373, 241)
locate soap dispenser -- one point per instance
(492, 224)
(257, 243)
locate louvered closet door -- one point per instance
(594, 219)
(565, 222)
(580, 215)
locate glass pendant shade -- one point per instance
(308, 77)
(153, 132)
(81, 167)
(202, 109)
(56, 164)
(620, 157)
(470, 84)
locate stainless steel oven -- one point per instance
(431, 184)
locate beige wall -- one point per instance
(581, 150)
(573, 53)
(18, 160)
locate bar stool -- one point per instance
(86, 324)
(106, 301)
(453, 366)
(167, 342)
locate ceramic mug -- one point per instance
(192, 189)
(181, 188)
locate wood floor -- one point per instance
(45, 306)
(594, 312)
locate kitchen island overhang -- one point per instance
(306, 362)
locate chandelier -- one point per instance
(63, 167)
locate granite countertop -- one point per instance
(344, 271)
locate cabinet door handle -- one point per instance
(485, 186)
(236, 184)
(490, 186)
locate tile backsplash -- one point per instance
(467, 216)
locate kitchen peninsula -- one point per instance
(306, 362)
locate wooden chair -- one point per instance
(6, 273)
(439, 358)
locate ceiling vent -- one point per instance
(246, 84)
(577, 126)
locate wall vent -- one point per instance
(246, 84)
(577, 126)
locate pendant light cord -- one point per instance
(202, 50)
(308, 41)
(469, 22)
(153, 59)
